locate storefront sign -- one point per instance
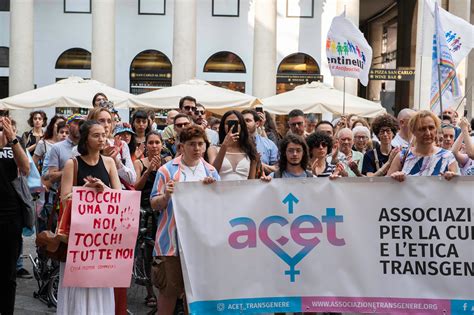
(392, 74)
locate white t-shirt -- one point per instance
(398, 142)
(192, 174)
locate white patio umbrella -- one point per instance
(70, 92)
(215, 99)
(317, 97)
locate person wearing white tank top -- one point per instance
(236, 158)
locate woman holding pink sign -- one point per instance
(92, 170)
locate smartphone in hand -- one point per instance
(233, 125)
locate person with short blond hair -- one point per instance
(425, 158)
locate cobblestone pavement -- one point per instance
(26, 304)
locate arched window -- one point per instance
(4, 59)
(150, 70)
(296, 69)
(225, 61)
(74, 58)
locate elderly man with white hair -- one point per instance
(403, 138)
(351, 159)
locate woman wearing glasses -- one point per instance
(377, 161)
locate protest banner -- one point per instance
(101, 247)
(348, 52)
(365, 245)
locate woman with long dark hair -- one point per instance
(37, 121)
(94, 171)
(141, 126)
(146, 169)
(236, 158)
(50, 137)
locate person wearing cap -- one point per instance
(124, 132)
(62, 151)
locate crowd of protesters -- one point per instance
(101, 152)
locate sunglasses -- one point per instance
(442, 125)
(182, 125)
(189, 108)
(199, 112)
(297, 124)
(321, 144)
(4, 113)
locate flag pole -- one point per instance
(440, 92)
(344, 97)
(438, 57)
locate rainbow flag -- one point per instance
(441, 57)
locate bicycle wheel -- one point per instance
(53, 287)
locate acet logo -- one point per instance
(305, 230)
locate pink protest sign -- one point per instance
(101, 247)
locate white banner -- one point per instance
(351, 245)
(348, 52)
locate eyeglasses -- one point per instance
(189, 108)
(293, 151)
(181, 125)
(301, 123)
(386, 130)
(361, 137)
(447, 126)
(106, 104)
(321, 144)
(199, 112)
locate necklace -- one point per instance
(193, 170)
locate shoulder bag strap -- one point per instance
(377, 166)
(74, 179)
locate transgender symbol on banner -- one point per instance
(347, 50)
(298, 228)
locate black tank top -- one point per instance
(99, 171)
(146, 190)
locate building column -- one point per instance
(21, 68)
(103, 41)
(462, 8)
(184, 41)
(352, 13)
(264, 49)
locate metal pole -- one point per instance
(440, 92)
(344, 97)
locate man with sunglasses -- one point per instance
(297, 123)
(181, 122)
(199, 117)
(13, 159)
(187, 106)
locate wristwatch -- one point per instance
(13, 142)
